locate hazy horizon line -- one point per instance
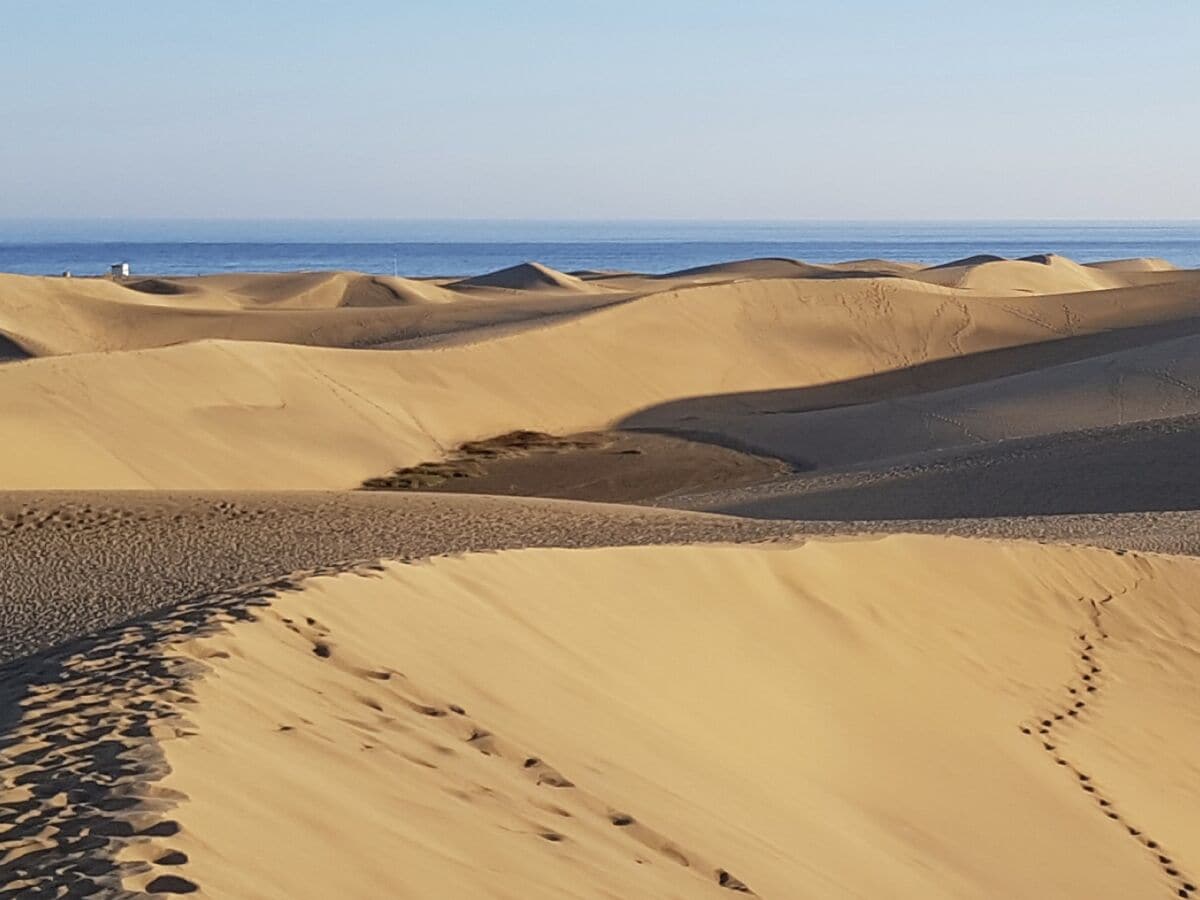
(605, 219)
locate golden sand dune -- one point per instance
(159, 418)
(211, 693)
(296, 290)
(1044, 274)
(517, 725)
(752, 269)
(779, 267)
(1135, 264)
(529, 276)
(77, 562)
(49, 317)
(748, 268)
(873, 266)
(315, 290)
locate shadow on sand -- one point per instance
(1146, 466)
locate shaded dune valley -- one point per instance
(763, 578)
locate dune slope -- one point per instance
(1137, 467)
(54, 316)
(1042, 274)
(900, 717)
(1157, 381)
(527, 276)
(159, 418)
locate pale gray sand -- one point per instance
(1142, 467)
(74, 562)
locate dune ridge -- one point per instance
(527, 276)
(1041, 274)
(1134, 264)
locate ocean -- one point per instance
(423, 248)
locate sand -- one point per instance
(1041, 274)
(536, 361)
(604, 467)
(1140, 384)
(890, 593)
(1147, 466)
(75, 562)
(78, 562)
(514, 724)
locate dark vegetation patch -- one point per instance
(616, 467)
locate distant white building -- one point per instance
(120, 270)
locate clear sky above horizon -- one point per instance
(652, 109)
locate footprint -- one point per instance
(171, 884)
(725, 880)
(674, 854)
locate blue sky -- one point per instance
(658, 109)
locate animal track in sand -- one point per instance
(1087, 647)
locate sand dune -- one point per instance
(293, 290)
(317, 290)
(558, 372)
(50, 317)
(1135, 264)
(209, 687)
(78, 562)
(1043, 274)
(766, 268)
(752, 269)
(876, 266)
(526, 713)
(748, 268)
(1156, 381)
(529, 276)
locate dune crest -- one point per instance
(1135, 264)
(771, 267)
(527, 276)
(1044, 273)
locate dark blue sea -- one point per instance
(184, 247)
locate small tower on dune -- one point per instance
(119, 270)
